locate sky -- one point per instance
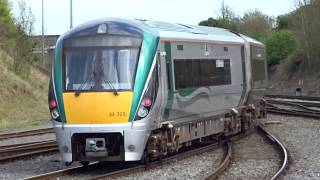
(57, 12)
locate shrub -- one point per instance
(280, 44)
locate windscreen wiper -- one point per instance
(114, 90)
(83, 85)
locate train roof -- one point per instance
(183, 32)
(177, 32)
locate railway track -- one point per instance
(107, 171)
(280, 148)
(25, 133)
(10, 152)
(113, 172)
(294, 105)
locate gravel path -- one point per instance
(195, 167)
(301, 137)
(253, 158)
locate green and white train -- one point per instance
(123, 90)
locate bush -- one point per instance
(280, 44)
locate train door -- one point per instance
(259, 70)
(166, 62)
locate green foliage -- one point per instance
(226, 19)
(280, 44)
(293, 62)
(7, 27)
(304, 22)
(283, 22)
(6, 20)
(14, 36)
(256, 24)
(23, 58)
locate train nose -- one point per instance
(97, 107)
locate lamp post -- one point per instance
(42, 38)
(71, 18)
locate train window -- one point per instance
(201, 72)
(180, 47)
(100, 69)
(258, 63)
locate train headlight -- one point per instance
(55, 114)
(149, 97)
(53, 104)
(142, 112)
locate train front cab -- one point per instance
(92, 99)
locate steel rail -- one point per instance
(125, 171)
(116, 172)
(279, 146)
(308, 98)
(25, 133)
(11, 152)
(225, 163)
(306, 104)
(138, 167)
(296, 104)
(277, 110)
(154, 164)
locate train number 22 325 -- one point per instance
(117, 114)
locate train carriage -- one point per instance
(122, 90)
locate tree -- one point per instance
(256, 24)
(305, 23)
(7, 26)
(23, 56)
(280, 44)
(226, 19)
(283, 21)
(210, 22)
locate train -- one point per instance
(129, 90)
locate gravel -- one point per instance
(253, 158)
(196, 167)
(23, 168)
(301, 137)
(43, 137)
(27, 139)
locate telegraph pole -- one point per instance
(42, 35)
(71, 18)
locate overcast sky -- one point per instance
(57, 12)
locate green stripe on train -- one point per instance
(167, 48)
(148, 51)
(58, 78)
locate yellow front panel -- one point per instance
(97, 107)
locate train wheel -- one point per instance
(84, 163)
(176, 144)
(145, 159)
(68, 163)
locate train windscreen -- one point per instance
(100, 62)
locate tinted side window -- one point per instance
(201, 72)
(258, 58)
